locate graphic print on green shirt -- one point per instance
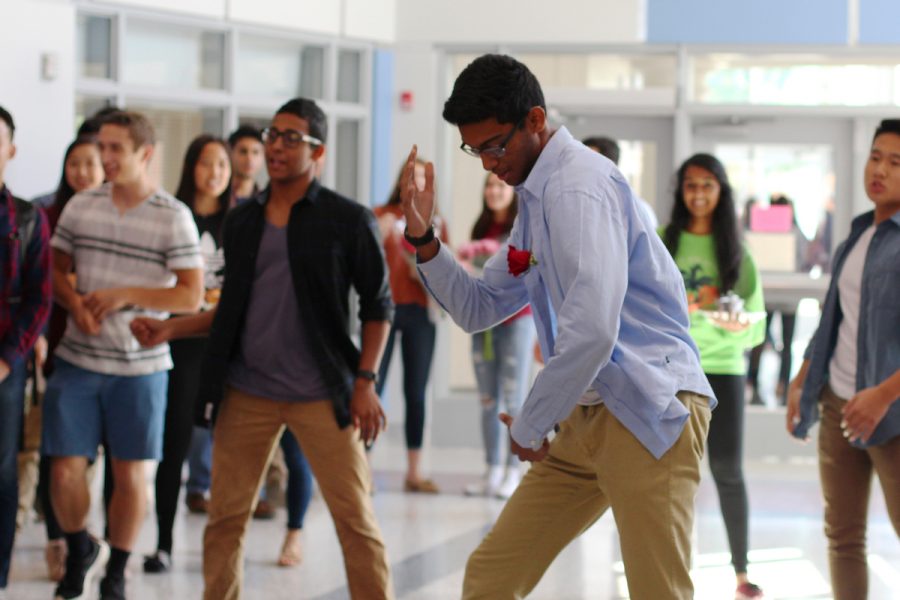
(721, 351)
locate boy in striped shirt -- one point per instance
(134, 250)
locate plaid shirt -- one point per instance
(26, 287)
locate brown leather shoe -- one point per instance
(421, 486)
(197, 503)
(264, 511)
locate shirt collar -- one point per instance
(867, 218)
(547, 163)
(896, 218)
(312, 193)
(6, 197)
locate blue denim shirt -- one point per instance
(608, 301)
(878, 344)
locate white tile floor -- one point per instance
(430, 537)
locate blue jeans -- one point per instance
(502, 360)
(417, 334)
(299, 484)
(199, 461)
(12, 406)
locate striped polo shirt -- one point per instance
(140, 248)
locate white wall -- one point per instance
(521, 21)
(416, 69)
(370, 19)
(317, 16)
(359, 19)
(42, 110)
(373, 20)
(207, 8)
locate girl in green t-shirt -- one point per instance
(704, 239)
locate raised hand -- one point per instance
(417, 204)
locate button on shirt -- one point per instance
(608, 301)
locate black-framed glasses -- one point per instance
(496, 151)
(291, 138)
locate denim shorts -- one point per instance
(84, 408)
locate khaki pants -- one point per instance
(595, 464)
(246, 434)
(846, 474)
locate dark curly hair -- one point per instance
(493, 86)
(726, 234)
(309, 111)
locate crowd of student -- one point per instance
(630, 319)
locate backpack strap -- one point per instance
(26, 219)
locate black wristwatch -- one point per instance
(419, 241)
(369, 375)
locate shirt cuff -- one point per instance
(442, 262)
(525, 435)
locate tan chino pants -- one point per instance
(246, 434)
(595, 464)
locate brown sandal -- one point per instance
(422, 486)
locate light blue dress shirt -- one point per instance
(608, 301)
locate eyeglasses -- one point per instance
(493, 151)
(291, 138)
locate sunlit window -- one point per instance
(795, 80)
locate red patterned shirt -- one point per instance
(24, 281)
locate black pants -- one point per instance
(184, 384)
(726, 456)
(417, 335)
(787, 337)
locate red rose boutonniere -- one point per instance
(519, 260)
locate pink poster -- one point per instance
(771, 219)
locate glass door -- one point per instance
(646, 152)
(792, 180)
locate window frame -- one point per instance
(232, 104)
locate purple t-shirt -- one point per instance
(275, 360)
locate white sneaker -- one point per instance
(489, 485)
(509, 485)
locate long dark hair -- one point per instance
(727, 236)
(64, 191)
(187, 187)
(486, 218)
